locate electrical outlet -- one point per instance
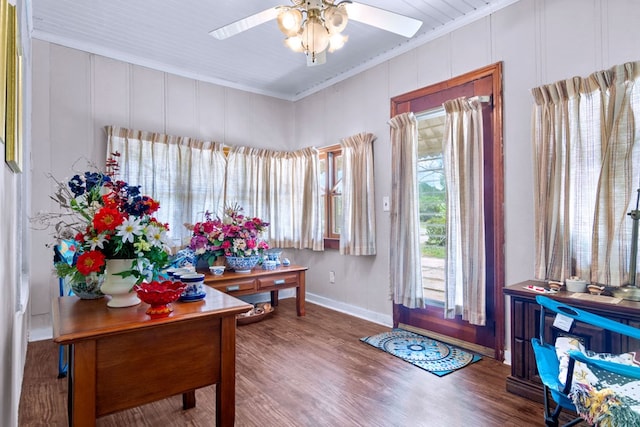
(332, 277)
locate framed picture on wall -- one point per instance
(13, 105)
(4, 34)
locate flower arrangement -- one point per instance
(232, 235)
(108, 219)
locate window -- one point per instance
(586, 173)
(331, 188)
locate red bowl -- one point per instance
(159, 293)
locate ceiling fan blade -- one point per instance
(383, 19)
(245, 24)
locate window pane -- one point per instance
(336, 215)
(323, 176)
(432, 203)
(331, 179)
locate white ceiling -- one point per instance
(173, 36)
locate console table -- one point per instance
(259, 280)
(120, 358)
(525, 324)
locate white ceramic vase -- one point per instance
(118, 288)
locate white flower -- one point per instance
(130, 228)
(239, 245)
(156, 236)
(98, 241)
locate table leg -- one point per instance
(274, 298)
(82, 375)
(189, 399)
(300, 294)
(70, 376)
(226, 388)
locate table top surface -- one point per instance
(256, 272)
(75, 319)
(579, 298)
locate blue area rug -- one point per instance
(434, 356)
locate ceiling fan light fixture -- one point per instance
(315, 37)
(315, 26)
(335, 18)
(289, 21)
(294, 43)
(336, 41)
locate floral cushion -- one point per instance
(602, 398)
(581, 373)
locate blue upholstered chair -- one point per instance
(609, 375)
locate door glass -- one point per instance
(432, 203)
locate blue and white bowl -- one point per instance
(242, 264)
(217, 270)
(269, 265)
(195, 285)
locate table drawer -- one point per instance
(235, 286)
(279, 281)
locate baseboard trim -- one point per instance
(352, 310)
(40, 334)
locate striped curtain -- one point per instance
(404, 246)
(358, 230)
(281, 188)
(586, 173)
(463, 148)
(192, 178)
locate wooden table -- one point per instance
(259, 280)
(119, 358)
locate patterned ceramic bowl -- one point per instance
(595, 289)
(242, 264)
(217, 270)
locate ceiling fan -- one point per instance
(315, 26)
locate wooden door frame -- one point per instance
(411, 102)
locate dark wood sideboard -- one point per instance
(259, 280)
(525, 324)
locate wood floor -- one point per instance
(308, 371)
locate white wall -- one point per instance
(538, 41)
(14, 246)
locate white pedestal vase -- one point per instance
(118, 288)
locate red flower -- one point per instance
(151, 205)
(107, 219)
(90, 262)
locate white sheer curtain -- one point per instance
(281, 188)
(358, 230)
(185, 175)
(465, 275)
(586, 172)
(404, 247)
